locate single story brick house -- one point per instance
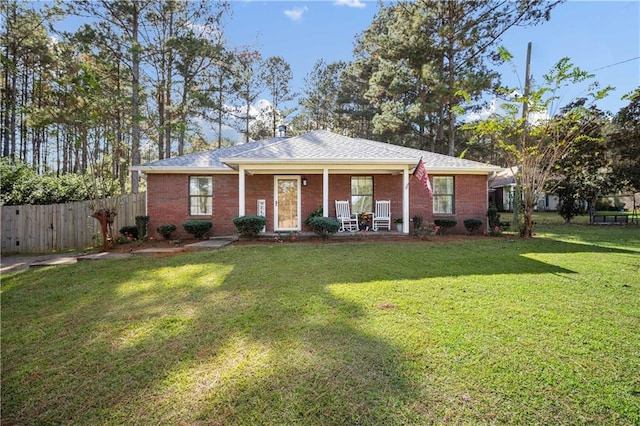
(285, 179)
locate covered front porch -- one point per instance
(287, 194)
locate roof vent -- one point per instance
(282, 131)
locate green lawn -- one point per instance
(479, 331)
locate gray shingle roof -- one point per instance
(206, 159)
(319, 146)
(503, 178)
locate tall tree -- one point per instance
(537, 141)
(194, 56)
(430, 60)
(120, 23)
(277, 77)
(320, 100)
(355, 112)
(162, 30)
(624, 143)
(247, 87)
(27, 59)
(220, 86)
(584, 172)
(186, 43)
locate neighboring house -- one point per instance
(502, 188)
(285, 179)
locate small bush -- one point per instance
(141, 223)
(603, 204)
(250, 225)
(472, 225)
(324, 226)
(166, 230)
(316, 213)
(129, 231)
(425, 230)
(197, 228)
(495, 231)
(493, 216)
(417, 224)
(445, 223)
(122, 240)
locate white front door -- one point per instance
(287, 203)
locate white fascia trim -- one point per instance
(183, 170)
(460, 171)
(270, 165)
(316, 161)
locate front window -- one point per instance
(443, 195)
(361, 194)
(200, 196)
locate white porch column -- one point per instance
(405, 201)
(325, 192)
(241, 192)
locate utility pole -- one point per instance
(527, 83)
(523, 143)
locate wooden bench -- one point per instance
(614, 219)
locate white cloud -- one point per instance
(207, 31)
(496, 107)
(484, 113)
(295, 14)
(258, 112)
(350, 3)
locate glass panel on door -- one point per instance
(287, 203)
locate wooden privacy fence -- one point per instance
(41, 229)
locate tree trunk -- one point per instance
(451, 83)
(528, 221)
(106, 217)
(160, 98)
(183, 118)
(220, 108)
(169, 116)
(135, 99)
(247, 119)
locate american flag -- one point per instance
(420, 172)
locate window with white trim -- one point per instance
(200, 196)
(443, 195)
(361, 194)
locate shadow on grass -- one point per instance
(81, 345)
(245, 335)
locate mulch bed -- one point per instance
(368, 237)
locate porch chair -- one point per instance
(382, 215)
(348, 221)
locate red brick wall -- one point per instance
(168, 202)
(470, 200)
(167, 199)
(225, 204)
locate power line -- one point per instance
(617, 63)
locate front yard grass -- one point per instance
(478, 331)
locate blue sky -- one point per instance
(597, 36)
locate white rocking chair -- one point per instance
(382, 215)
(348, 221)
